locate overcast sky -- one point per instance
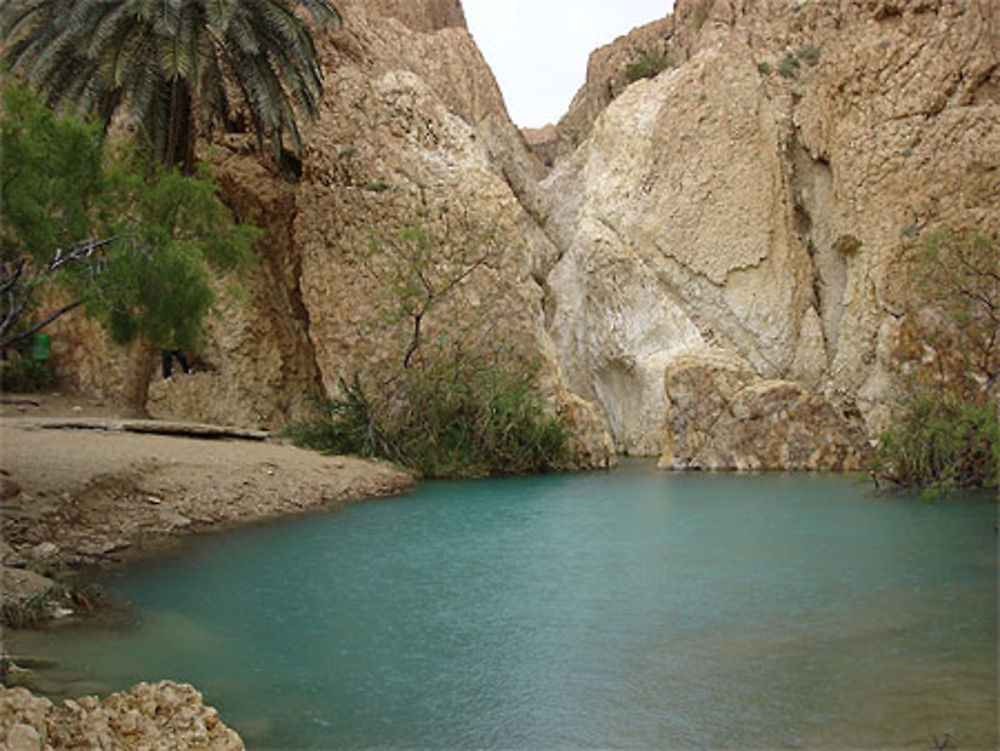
(538, 49)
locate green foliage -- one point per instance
(53, 200)
(956, 314)
(344, 425)
(52, 171)
(32, 611)
(945, 432)
(649, 65)
(456, 402)
(809, 54)
(939, 443)
(156, 279)
(764, 68)
(789, 66)
(452, 417)
(132, 241)
(173, 65)
(22, 374)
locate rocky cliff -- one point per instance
(752, 201)
(737, 216)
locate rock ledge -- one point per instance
(159, 715)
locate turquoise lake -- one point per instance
(628, 609)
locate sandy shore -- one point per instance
(82, 486)
(74, 497)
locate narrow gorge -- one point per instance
(705, 262)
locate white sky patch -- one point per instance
(538, 49)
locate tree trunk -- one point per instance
(178, 150)
(141, 361)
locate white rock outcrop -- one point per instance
(755, 198)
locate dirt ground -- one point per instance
(79, 496)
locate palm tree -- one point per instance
(174, 65)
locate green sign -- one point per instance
(41, 347)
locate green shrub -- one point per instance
(452, 417)
(30, 612)
(649, 65)
(764, 68)
(789, 66)
(809, 53)
(937, 442)
(22, 374)
(452, 398)
(344, 425)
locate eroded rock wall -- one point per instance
(751, 200)
(755, 198)
(412, 134)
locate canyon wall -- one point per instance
(412, 138)
(752, 201)
(709, 270)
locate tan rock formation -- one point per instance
(757, 198)
(722, 415)
(162, 715)
(606, 78)
(257, 364)
(426, 16)
(412, 132)
(544, 143)
(753, 198)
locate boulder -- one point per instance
(19, 586)
(723, 416)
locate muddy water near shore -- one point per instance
(631, 608)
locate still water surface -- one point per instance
(629, 609)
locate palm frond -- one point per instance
(322, 12)
(99, 54)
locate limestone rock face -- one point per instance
(756, 198)
(753, 198)
(722, 416)
(257, 365)
(412, 135)
(607, 78)
(426, 16)
(161, 715)
(676, 234)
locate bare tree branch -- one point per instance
(42, 324)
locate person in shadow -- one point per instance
(168, 356)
